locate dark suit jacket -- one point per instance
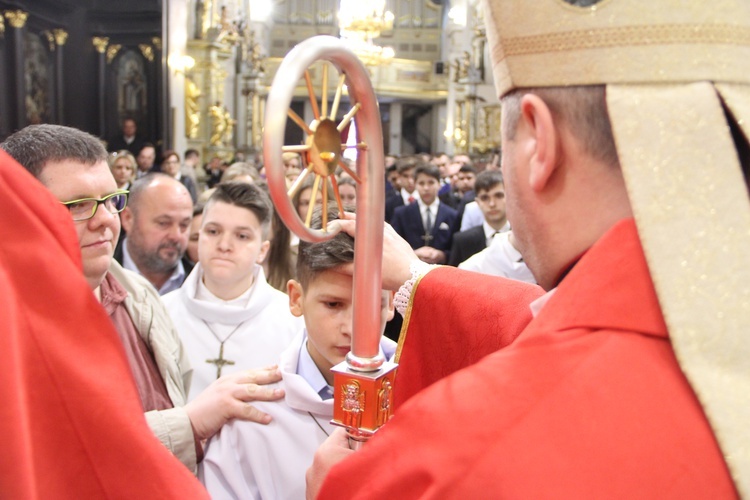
(467, 243)
(407, 221)
(391, 204)
(118, 143)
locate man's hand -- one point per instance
(332, 451)
(397, 254)
(227, 398)
(430, 255)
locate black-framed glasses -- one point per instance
(85, 208)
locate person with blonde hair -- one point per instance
(241, 171)
(123, 167)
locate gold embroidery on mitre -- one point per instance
(555, 43)
(626, 36)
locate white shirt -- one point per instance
(423, 208)
(537, 305)
(472, 216)
(490, 232)
(406, 195)
(499, 259)
(256, 327)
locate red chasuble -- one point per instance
(588, 402)
(437, 338)
(73, 426)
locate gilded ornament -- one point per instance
(228, 127)
(147, 51)
(2, 25)
(112, 51)
(192, 108)
(50, 39)
(61, 36)
(16, 18)
(100, 43)
(218, 125)
(156, 41)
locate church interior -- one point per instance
(195, 74)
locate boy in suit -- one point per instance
(491, 200)
(427, 224)
(406, 193)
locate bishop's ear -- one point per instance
(539, 128)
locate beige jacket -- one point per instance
(152, 321)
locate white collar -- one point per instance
(423, 206)
(308, 370)
(490, 231)
(537, 305)
(203, 293)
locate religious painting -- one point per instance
(38, 80)
(132, 94)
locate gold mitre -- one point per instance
(678, 95)
(552, 42)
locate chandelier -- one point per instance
(365, 16)
(360, 21)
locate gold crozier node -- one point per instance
(325, 147)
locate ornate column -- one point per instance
(57, 38)
(100, 44)
(254, 64)
(17, 82)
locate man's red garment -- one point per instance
(439, 339)
(72, 423)
(588, 402)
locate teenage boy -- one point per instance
(427, 224)
(491, 201)
(253, 461)
(228, 317)
(407, 192)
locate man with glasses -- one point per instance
(73, 167)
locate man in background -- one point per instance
(157, 225)
(129, 139)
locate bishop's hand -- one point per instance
(333, 450)
(397, 253)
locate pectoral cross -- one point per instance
(427, 237)
(220, 361)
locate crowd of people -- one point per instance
(180, 267)
(161, 321)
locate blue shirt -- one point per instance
(173, 283)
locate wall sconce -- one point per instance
(181, 64)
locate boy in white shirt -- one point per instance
(228, 317)
(253, 461)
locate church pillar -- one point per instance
(60, 36)
(395, 127)
(100, 44)
(17, 82)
